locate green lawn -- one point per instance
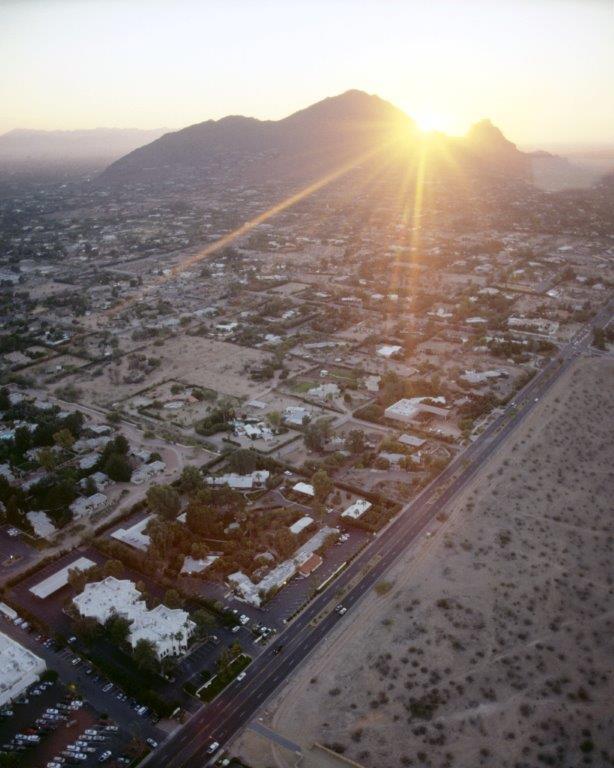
(222, 679)
(300, 387)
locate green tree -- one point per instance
(243, 461)
(118, 468)
(599, 338)
(317, 433)
(117, 629)
(275, 419)
(322, 485)
(355, 441)
(145, 656)
(47, 459)
(172, 599)
(87, 628)
(5, 402)
(204, 621)
(22, 439)
(164, 501)
(114, 568)
(191, 479)
(64, 438)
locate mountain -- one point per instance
(303, 146)
(325, 134)
(97, 146)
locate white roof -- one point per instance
(305, 488)
(324, 390)
(41, 523)
(301, 524)
(167, 628)
(412, 440)
(407, 408)
(235, 480)
(60, 579)
(146, 471)
(294, 414)
(193, 565)
(88, 503)
(134, 536)
(256, 404)
(388, 350)
(19, 668)
(358, 508)
(276, 578)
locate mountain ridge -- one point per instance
(313, 140)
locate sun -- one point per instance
(428, 122)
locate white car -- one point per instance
(213, 747)
(241, 676)
(244, 619)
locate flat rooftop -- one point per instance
(60, 579)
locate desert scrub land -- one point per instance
(492, 644)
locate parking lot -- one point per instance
(79, 677)
(15, 552)
(49, 726)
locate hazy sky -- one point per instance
(543, 70)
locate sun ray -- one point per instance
(248, 226)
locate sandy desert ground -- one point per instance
(193, 359)
(493, 644)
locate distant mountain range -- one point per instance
(99, 145)
(353, 127)
(321, 138)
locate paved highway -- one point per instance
(236, 706)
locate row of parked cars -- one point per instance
(49, 720)
(89, 670)
(90, 742)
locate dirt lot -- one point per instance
(203, 362)
(493, 645)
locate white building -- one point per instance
(305, 488)
(134, 536)
(59, 579)
(389, 350)
(147, 471)
(358, 508)
(324, 391)
(301, 524)
(168, 629)
(241, 482)
(407, 409)
(254, 593)
(86, 504)
(412, 441)
(19, 668)
(297, 415)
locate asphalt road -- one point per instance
(235, 706)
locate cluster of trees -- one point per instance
(50, 429)
(393, 387)
(601, 337)
(114, 460)
(53, 437)
(219, 420)
(478, 405)
(317, 433)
